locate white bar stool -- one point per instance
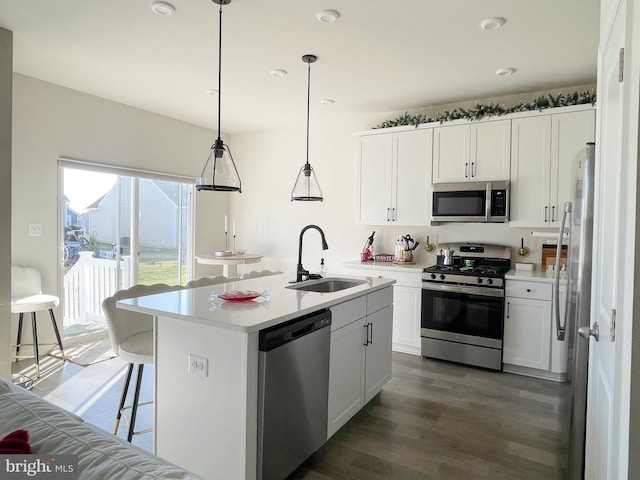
(131, 335)
(27, 297)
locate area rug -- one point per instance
(86, 353)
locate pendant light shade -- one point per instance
(219, 172)
(306, 187)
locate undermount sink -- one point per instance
(326, 285)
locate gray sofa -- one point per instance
(101, 455)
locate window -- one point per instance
(119, 227)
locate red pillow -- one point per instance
(16, 442)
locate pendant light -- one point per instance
(306, 187)
(219, 172)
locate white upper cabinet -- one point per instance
(394, 178)
(530, 169)
(542, 150)
(375, 179)
(476, 151)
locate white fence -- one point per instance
(87, 283)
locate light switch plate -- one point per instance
(35, 229)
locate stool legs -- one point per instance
(134, 408)
(123, 398)
(34, 329)
(57, 332)
(134, 405)
(20, 318)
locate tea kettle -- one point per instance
(447, 256)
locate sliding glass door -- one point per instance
(119, 230)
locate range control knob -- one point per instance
(489, 281)
(479, 280)
(433, 276)
(442, 277)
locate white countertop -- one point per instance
(532, 276)
(389, 266)
(193, 305)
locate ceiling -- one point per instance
(380, 56)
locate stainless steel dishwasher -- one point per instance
(293, 366)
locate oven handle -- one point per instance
(466, 289)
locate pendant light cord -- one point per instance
(219, 70)
(308, 108)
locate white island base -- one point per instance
(206, 419)
(206, 365)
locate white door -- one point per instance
(378, 352)
(375, 173)
(346, 375)
(606, 453)
(530, 175)
(412, 187)
(527, 333)
(451, 153)
(490, 151)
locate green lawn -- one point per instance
(160, 272)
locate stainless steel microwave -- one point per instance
(482, 202)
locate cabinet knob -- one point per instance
(528, 290)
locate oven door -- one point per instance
(463, 314)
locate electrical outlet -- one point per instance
(35, 229)
(198, 365)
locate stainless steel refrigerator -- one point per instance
(578, 222)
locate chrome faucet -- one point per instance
(300, 271)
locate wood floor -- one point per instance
(442, 421)
(434, 420)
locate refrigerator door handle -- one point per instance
(561, 329)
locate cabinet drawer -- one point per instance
(347, 312)
(533, 290)
(380, 299)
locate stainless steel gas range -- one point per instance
(463, 304)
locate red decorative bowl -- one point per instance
(239, 295)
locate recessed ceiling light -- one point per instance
(327, 101)
(163, 8)
(492, 23)
(505, 72)
(212, 91)
(278, 73)
(327, 16)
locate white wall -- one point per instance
(50, 121)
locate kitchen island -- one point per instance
(206, 363)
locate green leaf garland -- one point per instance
(480, 111)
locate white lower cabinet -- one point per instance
(530, 345)
(407, 304)
(360, 363)
(527, 333)
(377, 367)
(407, 308)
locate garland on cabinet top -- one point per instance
(480, 110)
